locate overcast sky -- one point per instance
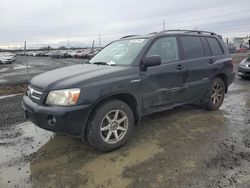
(80, 21)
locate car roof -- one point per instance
(171, 32)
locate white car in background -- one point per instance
(7, 58)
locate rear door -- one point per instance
(199, 64)
(162, 85)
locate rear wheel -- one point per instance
(110, 126)
(215, 95)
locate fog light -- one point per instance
(51, 120)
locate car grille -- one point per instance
(34, 94)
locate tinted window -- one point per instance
(166, 48)
(207, 50)
(215, 46)
(192, 47)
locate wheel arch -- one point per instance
(224, 79)
(127, 98)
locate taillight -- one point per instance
(231, 62)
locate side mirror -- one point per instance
(152, 61)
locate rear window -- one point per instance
(192, 47)
(215, 46)
(207, 50)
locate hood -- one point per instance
(69, 77)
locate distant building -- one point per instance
(242, 41)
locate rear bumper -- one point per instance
(66, 120)
(243, 71)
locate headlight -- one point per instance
(67, 97)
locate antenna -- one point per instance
(26, 61)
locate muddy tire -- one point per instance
(110, 126)
(215, 95)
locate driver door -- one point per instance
(162, 85)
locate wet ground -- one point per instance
(183, 147)
(11, 74)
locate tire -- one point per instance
(215, 95)
(114, 136)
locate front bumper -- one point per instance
(244, 71)
(66, 120)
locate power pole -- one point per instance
(93, 44)
(68, 43)
(164, 25)
(26, 61)
(100, 41)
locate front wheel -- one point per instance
(110, 126)
(215, 95)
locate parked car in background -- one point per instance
(241, 50)
(57, 54)
(79, 54)
(7, 58)
(135, 76)
(231, 48)
(244, 68)
(92, 54)
(70, 53)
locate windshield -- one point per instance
(121, 52)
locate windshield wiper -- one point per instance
(104, 63)
(100, 63)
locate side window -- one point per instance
(166, 48)
(192, 47)
(207, 50)
(215, 46)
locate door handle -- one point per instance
(211, 61)
(179, 67)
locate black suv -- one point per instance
(102, 99)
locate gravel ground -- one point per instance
(182, 147)
(11, 111)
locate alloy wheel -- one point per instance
(114, 126)
(217, 93)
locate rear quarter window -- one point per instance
(206, 47)
(192, 47)
(215, 46)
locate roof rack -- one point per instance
(188, 31)
(128, 36)
(153, 33)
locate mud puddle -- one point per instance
(17, 146)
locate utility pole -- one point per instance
(93, 44)
(26, 61)
(100, 41)
(164, 25)
(68, 43)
